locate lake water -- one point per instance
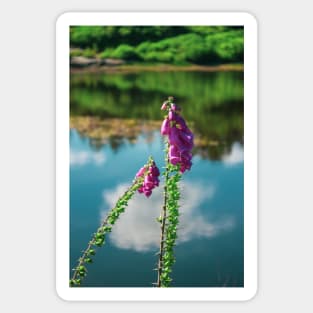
(115, 119)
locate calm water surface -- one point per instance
(209, 249)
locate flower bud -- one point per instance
(164, 106)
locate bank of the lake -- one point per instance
(98, 67)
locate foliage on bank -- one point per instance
(160, 44)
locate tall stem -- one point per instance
(163, 219)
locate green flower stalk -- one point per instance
(145, 180)
(163, 217)
(172, 219)
(177, 160)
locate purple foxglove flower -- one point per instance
(174, 155)
(175, 107)
(187, 163)
(173, 151)
(149, 182)
(175, 138)
(172, 115)
(165, 128)
(180, 122)
(180, 138)
(154, 171)
(174, 160)
(151, 179)
(148, 193)
(182, 168)
(187, 139)
(141, 172)
(186, 155)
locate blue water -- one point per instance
(209, 251)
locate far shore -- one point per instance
(128, 68)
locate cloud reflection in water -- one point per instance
(137, 228)
(83, 157)
(235, 156)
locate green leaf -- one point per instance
(159, 219)
(99, 235)
(99, 242)
(121, 209)
(111, 220)
(91, 252)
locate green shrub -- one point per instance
(152, 56)
(89, 36)
(158, 57)
(187, 48)
(228, 46)
(231, 50)
(194, 48)
(89, 53)
(143, 47)
(125, 52)
(107, 53)
(76, 52)
(166, 57)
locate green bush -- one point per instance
(143, 47)
(107, 53)
(151, 56)
(89, 36)
(185, 48)
(228, 46)
(194, 48)
(231, 50)
(166, 57)
(89, 53)
(125, 52)
(76, 52)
